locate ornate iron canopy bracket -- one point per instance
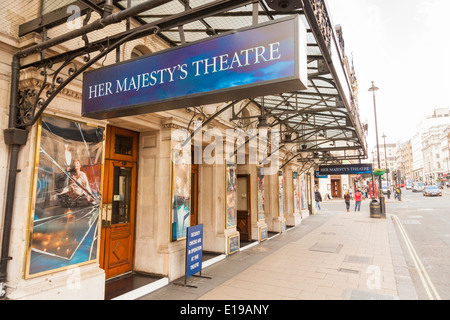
(32, 102)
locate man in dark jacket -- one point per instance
(318, 198)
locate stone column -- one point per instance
(293, 217)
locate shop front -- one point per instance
(118, 160)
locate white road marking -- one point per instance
(429, 287)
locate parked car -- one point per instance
(417, 186)
(408, 186)
(431, 191)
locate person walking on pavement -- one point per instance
(358, 199)
(347, 200)
(318, 198)
(399, 194)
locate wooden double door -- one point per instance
(336, 188)
(243, 206)
(118, 208)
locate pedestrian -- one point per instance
(318, 198)
(399, 194)
(358, 199)
(347, 201)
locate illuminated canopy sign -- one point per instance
(363, 168)
(267, 59)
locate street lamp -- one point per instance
(380, 194)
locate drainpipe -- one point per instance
(108, 8)
(15, 138)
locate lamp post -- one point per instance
(387, 169)
(385, 156)
(380, 190)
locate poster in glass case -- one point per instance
(231, 196)
(181, 193)
(66, 195)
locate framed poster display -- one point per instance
(231, 196)
(181, 193)
(280, 194)
(263, 234)
(66, 195)
(233, 244)
(296, 193)
(303, 192)
(260, 194)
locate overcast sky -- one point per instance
(402, 45)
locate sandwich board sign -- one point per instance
(194, 253)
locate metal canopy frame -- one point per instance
(325, 111)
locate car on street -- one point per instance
(384, 186)
(431, 191)
(408, 186)
(417, 186)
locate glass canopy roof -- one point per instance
(316, 117)
(324, 118)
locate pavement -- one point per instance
(331, 255)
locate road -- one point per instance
(424, 229)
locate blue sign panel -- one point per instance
(267, 59)
(318, 176)
(194, 250)
(362, 168)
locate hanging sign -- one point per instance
(269, 58)
(318, 176)
(362, 168)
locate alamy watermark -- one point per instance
(263, 147)
(73, 281)
(74, 21)
(374, 280)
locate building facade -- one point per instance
(428, 163)
(404, 160)
(89, 199)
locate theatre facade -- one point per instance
(125, 123)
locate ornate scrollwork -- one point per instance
(198, 116)
(52, 79)
(33, 103)
(323, 21)
(33, 99)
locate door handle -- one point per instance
(106, 214)
(103, 214)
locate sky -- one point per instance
(404, 47)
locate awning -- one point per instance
(322, 121)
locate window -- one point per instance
(123, 145)
(139, 51)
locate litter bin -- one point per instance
(375, 211)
